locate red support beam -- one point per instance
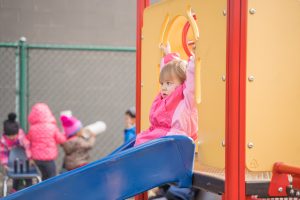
(141, 5)
(242, 117)
(283, 168)
(235, 100)
(280, 179)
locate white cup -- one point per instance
(97, 127)
(67, 113)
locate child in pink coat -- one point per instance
(44, 136)
(174, 110)
(13, 137)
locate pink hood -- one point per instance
(43, 133)
(41, 113)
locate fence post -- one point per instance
(17, 75)
(23, 83)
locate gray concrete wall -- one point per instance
(107, 79)
(95, 22)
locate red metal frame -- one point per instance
(243, 75)
(185, 42)
(287, 169)
(235, 100)
(280, 179)
(141, 5)
(184, 39)
(139, 25)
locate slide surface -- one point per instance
(124, 173)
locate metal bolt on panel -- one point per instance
(223, 143)
(250, 145)
(252, 11)
(224, 12)
(223, 78)
(251, 78)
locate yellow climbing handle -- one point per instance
(162, 41)
(163, 30)
(193, 22)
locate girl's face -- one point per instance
(168, 86)
(129, 121)
(12, 137)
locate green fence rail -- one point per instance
(22, 59)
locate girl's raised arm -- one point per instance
(189, 91)
(59, 137)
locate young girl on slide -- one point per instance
(174, 110)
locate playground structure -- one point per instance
(246, 87)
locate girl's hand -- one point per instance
(31, 162)
(192, 58)
(166, 49)
(6, 168)
(193, 49)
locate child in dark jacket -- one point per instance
(13, 137)
(79, 142)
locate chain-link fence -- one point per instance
(8, 81)
(95, 83)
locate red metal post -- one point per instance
(141, 5)
(235, 100)
(242, 117)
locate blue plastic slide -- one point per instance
(124, 173)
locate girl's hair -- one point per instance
(131, 112)
(175, 68)
(10, 126)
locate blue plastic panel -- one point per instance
(122, 174)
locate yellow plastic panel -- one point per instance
(164, 22)
(212, 50)
(273, 98)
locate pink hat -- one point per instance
(171, 56)
(70, 124)
(168, 58)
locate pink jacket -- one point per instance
(7, 144)
(43, 134)
(176, 114)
